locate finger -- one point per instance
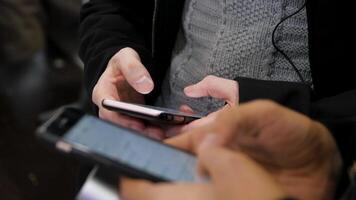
(243, 122)
(182, 141)
(200, 122)
(186, 109)
(234, 172)
(246, 122)
(130, 189)
(221, 123)
(124, 121)
(223, 165)
(209, 139)
(215, 87)
(154, 132)
(129, 63)
(188, 141)
(173, 131)
(139, 190)
(104, 90)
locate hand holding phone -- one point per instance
(127, 151)
(124, 79)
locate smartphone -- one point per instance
(150, 113)
(126, 151)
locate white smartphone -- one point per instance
(150, 113)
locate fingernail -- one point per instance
(208, 141)
(145, 85)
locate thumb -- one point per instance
(235, 174)
(214, 87)
(186, 109)
(129, 64)
(215, 161)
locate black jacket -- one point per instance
(151, 26)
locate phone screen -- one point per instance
(132, 149)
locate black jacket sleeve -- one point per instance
(338, 114)
(106, 26)
(330, 45)
(333, 100)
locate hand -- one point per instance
(299, 152)
(210, 86)
(233, 176)
(125, 79)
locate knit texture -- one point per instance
(233, 38)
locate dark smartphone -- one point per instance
(150, 113)
(126, 151)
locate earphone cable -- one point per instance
(281, 51)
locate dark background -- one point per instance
(39, 72)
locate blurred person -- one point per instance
(21, 34)
(233, 176)
(259, 150)
(125, 43)
(192, 46)
(141, 61)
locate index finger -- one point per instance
(129, 64)
(122, 120)
(144, 190)
(188, 141)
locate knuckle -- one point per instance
(209, 78)
(130, 64)
(125, 59)
(126, 49)
(115, 59)
(120, 57)
(133, 68)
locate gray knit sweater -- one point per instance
(232, 38)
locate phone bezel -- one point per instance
(161, 116)
(55, 140)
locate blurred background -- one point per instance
(39, 72)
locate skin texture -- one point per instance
(126, 79)
(221, 164)
(297, 152)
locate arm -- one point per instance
(106, 26)
(115, 37)
(299, 152)
(337, 113)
